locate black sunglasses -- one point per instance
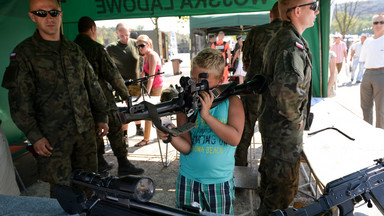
(377, 22)
(43, 13)
(313, 6)
(142, 45)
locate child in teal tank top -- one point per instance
(207, 152)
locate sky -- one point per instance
(166, 24)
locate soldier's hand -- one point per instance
(42, 147)
(102, 129)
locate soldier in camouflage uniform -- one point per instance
(126, 56)
(253, 50)
(109, 77)
(285, 105)
(55, 98)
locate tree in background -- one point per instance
(346, 16)
(106, 35)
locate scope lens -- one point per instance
(145, 189)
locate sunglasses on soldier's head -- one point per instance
(43, 13)
(313, 6)
(377, 22)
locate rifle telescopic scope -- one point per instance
(138, 188)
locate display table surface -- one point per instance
(29, 206)
(332, 155)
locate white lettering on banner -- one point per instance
(139, 6)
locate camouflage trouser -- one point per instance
(71, 151)
(250, 104)
(115, 136)
(279, 183)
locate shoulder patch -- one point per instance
(13, 56)
(301, 46)
(297, 62)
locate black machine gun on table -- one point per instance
(344, 193)
(188, 102)
(128, 195)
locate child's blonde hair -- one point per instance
(211, 59)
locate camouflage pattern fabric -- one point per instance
(254, 46)
(71, 151)
(253, 50)
(288, 70)
(279, 180)
(104, 67)
(54, 93)
(115, 137)
(109, 77)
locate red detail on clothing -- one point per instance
(300, 45)
(226, 47)
(158, 80)
(13, 56)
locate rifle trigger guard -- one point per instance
(169, 139)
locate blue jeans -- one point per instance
(361, 69)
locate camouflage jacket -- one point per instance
(104, 68)
(52, 85)
(288, 70)
(255, 44)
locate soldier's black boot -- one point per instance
(103, 165)
(126, 168)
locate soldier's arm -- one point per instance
(18, 79)
(247, 48)
(95, 93)
(289, 87)
(112, 75)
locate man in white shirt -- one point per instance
(355, 57)
(372, 86)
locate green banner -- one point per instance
(122, 9)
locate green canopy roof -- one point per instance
(223, 20)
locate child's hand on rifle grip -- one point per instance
(166, 137)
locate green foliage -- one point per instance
(183, 20)
(362, 24)
(106, 35)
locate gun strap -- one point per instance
(289, 212)
(154, 115)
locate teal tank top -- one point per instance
(211, 160)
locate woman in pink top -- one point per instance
(152, 65)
